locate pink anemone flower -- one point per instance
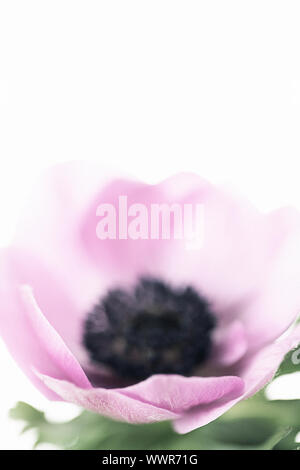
(103, 309)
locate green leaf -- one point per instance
(288, 442)
(291, 362)
(253, 424)
(27, 413)
(279, 412)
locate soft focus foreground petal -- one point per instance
(34, 343)
(256, 372)
(177, 393)
(110, 403)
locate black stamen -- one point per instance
(154, 329)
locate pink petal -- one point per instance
(277, 303)
(230, 344)
(202, 415)
(50, 229)
(110, 403)
(34, 343)
(20, 267)
(256, 372)
(157, 398)
(239, 250)
(128, 257)
(177, 394)
(260, 368)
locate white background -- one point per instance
(151, 88)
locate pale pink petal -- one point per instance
(34, 343)
(260, 368)
(277, 303)
(177, 394)
(239, 249)
(202, 415)
(230, 344)
(127, 257)
(21, 267)
(256, 372)
(157, 398)
(49, 228)
(110, 403)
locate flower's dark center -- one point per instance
(153, 329)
